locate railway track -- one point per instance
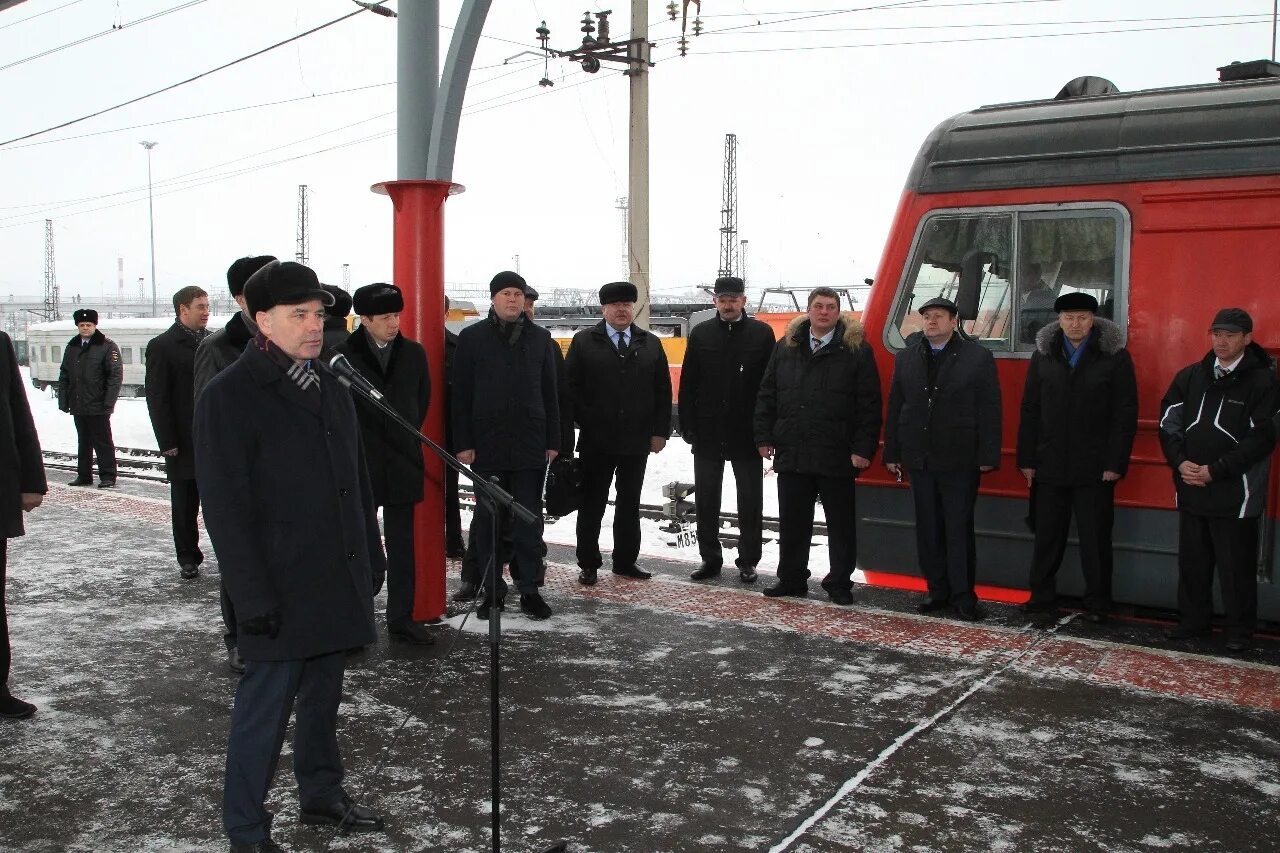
(136, 463)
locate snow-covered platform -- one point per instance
(644, 717)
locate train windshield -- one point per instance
(1031, 257)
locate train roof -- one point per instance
(1213, 130)
(120, 325)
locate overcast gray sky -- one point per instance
(830, 100)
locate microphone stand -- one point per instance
(495, 499)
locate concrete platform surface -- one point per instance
(643, 717)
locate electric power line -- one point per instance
(39, 14)
(763, 32)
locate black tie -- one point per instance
(1219, 371)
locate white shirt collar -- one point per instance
(824, 339)
(1229, 367)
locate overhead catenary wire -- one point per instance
(39, 15)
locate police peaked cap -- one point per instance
(618, 291)
(284, 283)
(1075, 302)
(530, 293)
(374, 299)
(730, 285)
(506, 279)
(85, 315)
(341, 306)
(239, 271)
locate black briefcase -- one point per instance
(564, 486)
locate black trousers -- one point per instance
(708, 479)
(228, 617)
(184, 504)
(1094, 510)
(265, 697)
(94, 433)
(945, 543)
(6, 654)
(452, 513)
(472, 569)
(796, 496)
(598, 470)
(526, 539)
(1230, 544)
(397, 530)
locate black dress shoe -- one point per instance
(411, 632)
(107, 484)
(747, 575)
(80, 481)
(781, 590)
(234, 662)
(587, 577)
(929, 604)
(840, 596)
(267, 846)
(486, 604)
(632, 572)
(706, 570)
(1186, 632)
(1097, 617)
(1239, 644)
(970, 612)
(189, 571)
(344, 813)
(466, 592)
(13, 708)
(533, 604)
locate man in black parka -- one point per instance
(942, 429)
(1217, 433)
(724, 361)
(621, 388)
(88, 384)
(22, 489)
(506, 420)
(1079, 417)
(171, 403)
(216, 352)
(818, 417)
(397, 367)
(289, 508)
(335, 318)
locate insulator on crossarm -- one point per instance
(697, 26)
(672, 10)
(684, 46)
(544, 34)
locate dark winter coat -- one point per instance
(817, 409)
(1078, 423)
(394, 456)
(719, 380)
(336, 333)
(505, 406)
(450, 352)
(289, 508)
(221, 348)
(171, 397)
(621, 401)
(1226, 424)
(90, 377)
(21, 464)
(564, 396)
(956, 426)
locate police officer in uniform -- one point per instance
(724, 361)
(88, 384)
(621, 388)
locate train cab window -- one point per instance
(1030, 257)
(935, 271)
(126, 355)
(57, 353)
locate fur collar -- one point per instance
(96, 340)
(1108, 337)
(852, 337)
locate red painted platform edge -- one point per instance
(893, 580)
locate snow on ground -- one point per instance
(131, 427)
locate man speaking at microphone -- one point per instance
(288, 505)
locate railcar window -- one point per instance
(126, 355)
(1032, 256)
(935, 271)
(57, 353)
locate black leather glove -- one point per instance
(267, 624)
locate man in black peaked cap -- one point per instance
(88, 384)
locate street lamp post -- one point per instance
(151, 217)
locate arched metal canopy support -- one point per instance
(453, 89)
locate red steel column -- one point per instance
(418, 270)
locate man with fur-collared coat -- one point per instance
(1079, 417)
(818, 415)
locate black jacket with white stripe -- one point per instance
(1226, 424)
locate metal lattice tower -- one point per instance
(742, 261)
(51, 311)
(624, 209)
(304, 232)
(346, 277)
(729, 209)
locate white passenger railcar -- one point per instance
(46, 341)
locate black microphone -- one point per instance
(346, 373)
